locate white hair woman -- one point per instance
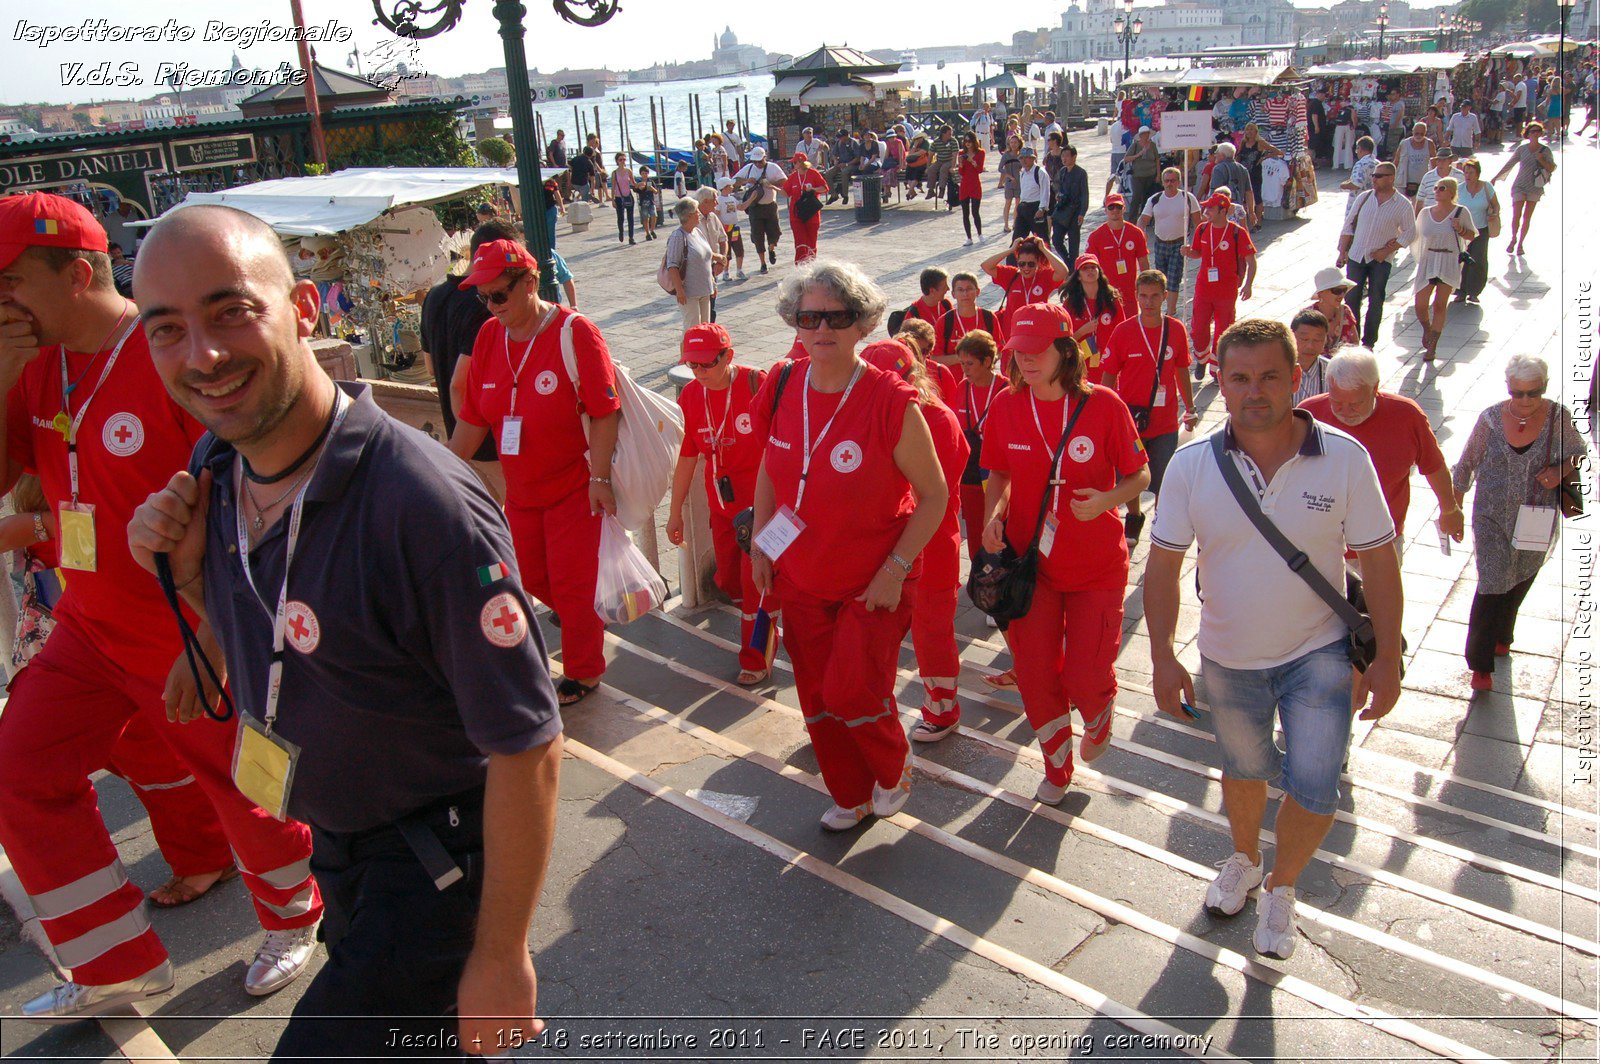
(1517, 454)
(691, 265)
(849, 493)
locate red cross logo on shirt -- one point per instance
(301, 629)
(503, 621)
(122, 435)
(846, 457)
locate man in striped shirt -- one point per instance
(1379, 224)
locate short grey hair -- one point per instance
(845, 280)
(705, 193)
(1353, 367)
(685, 208)
(1527, 368)
(1226, 150)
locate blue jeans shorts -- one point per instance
(1311, 696)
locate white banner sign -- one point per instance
(1186, 129)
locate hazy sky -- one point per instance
(646, 31)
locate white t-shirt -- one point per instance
(1499, 103)
(1519, 96)
(1255, 612)
(728, 209)
(813, 149)
(1462, 129)
(1274, 176)
(1171, 214)
(772, 172)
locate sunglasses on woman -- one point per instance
(1531, 393)
(499, 298)
(836, 319)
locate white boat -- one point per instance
(908, 60)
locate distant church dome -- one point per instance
(728, 38)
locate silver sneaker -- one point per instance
(1228, 892)
(75, 1001)
(1277, 930)
(280, 960)
(838, 818)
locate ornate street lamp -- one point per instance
(1383, 26)
(421, 18)
(1126, 29)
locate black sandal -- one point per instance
(570, 692)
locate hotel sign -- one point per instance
(213, 151)
(126, 168)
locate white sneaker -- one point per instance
(969, 242)
(839, 818)
(1277, 931)
(924, 732)
(280, 960)
(886, 802)
(1050, 793)
(741, 273)
(75, 1001)
(1227, 893)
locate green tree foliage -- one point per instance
(424, 140)
(497, 151)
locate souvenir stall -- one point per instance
(1273, 97)
(1365, 85)
(374, 241)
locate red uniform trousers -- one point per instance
(68, 709)
(933, 629)
(736, 581)
(844, 672)
(805, 236)
(185, 826)
(558, 558)
(972, 517)
(1065, 652)
(1206, 311)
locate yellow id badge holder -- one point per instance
(263, 766)
(77, 536)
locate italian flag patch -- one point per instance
(490, 573)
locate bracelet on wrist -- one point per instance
(901, 562)
(892, 571)
(600, 480)
(40, 533)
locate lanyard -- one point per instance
(280, 617)
(716, 439)
(1055, 480)
(988, 404)
(66, 404)
(807, 448)
(1144, 336)
(516, 372)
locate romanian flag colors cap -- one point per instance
(45, 220)
(495, 258)
(891, 355)
(704, 342)
(1036, 326)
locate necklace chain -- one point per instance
(262, 511)
(95, 357)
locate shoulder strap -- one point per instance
(569, 357)
(1161, 360)
(756, 379)
(783, 379)
(1055, 464)
(949, 324)
(1293, 556)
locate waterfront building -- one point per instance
(1087, 31)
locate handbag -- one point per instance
(1363, 645)
(1494, 214)
(1141, 414)
(1569, 493)
(808, 206)
(1002, 584)
(974, 474)
(648, 438)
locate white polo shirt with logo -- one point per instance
(1255, 612)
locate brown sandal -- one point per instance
(178, 891)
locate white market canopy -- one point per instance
(1009, 80)
(1393, 66)
(1211, 77)
(336, 203)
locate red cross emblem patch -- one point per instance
(122, 435)
(301, 629)
(1081, 449)
(503, 621)
(846, 457)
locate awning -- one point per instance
(825, 94)
(1360, 68)
(789, 88)
(889, 82)
(1427, 60)
(1211, 77)
(1008, 80)
(339, 202)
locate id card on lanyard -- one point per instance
(263, 761)
(511, 424)
(76, 517)
(785, 526)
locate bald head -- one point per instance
(227, 323)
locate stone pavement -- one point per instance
(1452, 911)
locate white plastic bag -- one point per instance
(626, 587)
(647, 442)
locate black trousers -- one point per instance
(1029, 221)
(1064, 237)
(624, 205)
(764, 227)
(1493, 621)
(1371, 281)
(397, 945)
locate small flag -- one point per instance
(764, 634)
(1196, 94)
(1138, 444)
(611, 392)
(46, 227)
(490, 573)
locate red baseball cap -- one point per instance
(45, 220)
(1036, 326)
(799, 156)
(495, 258)
(891, 355)
(1217, 199)
(1087, 259)
(1116, 200)
(704, 342)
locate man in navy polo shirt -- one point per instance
(410, 718)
